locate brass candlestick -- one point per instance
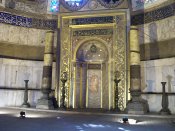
(117, 80)
(25, 103)
(63, 80)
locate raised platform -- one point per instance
(74, 120)
(87, 112)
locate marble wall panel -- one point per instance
(37, 77)
(2, 78)
(53, 75)
(15, 98)
(5, 32)
(41, 38)
(2, 3)
(13, 76)
(7, 74)
(23, 37)
(153, 72)
(55, 38)
(155, 101)
(157, 31)
(39, 6)
(14, 33)
(1, 31)
(156, 71)
(30, 7)
(25, 72)
(14, 72)
(33, 37)
(168, 76)
(19, 6)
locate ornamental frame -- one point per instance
(110, 5)
(119, 55)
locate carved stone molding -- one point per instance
(22, 21)
(154, 15)
(111, 3)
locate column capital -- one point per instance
(133, 27)
(49, 31)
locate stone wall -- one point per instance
(13, 72)
(154, 72)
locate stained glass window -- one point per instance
(54, 5)
(73, 5)
(74, 2)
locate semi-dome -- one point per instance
(92, 51)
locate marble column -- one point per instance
(46, 102)
(136, 105)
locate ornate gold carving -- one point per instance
(120, 60)
(115, 42)
(65, 57)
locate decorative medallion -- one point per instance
(110, 3)
(73, 5)
(93, 48)
(93, 4)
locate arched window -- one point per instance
(74, 2)
(73, 5)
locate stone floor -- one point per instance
(46, 120)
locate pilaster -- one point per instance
(136, 105)
(45, 102)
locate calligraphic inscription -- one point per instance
(154, 15)
(93, 20)
(94, 66)
(110, 3)
(15, 20)
(44, 24)
(27, 22)
(93, 32)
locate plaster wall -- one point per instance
(12, 75)
(154, 72)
